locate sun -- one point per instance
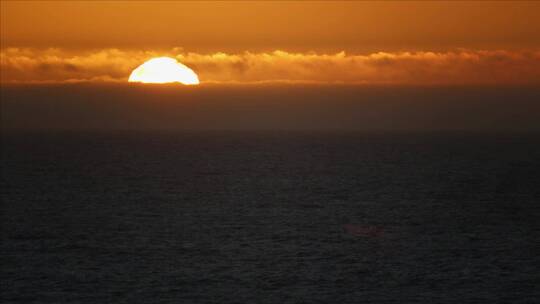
(163, 70)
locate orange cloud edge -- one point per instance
(455, 67)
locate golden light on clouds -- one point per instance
(317, 42)
(163, 70)
(25, 65)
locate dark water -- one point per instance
(270, 218)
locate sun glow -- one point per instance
(163, 70)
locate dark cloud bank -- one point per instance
(107, 107)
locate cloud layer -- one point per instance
(401, 68)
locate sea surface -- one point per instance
(270, 217)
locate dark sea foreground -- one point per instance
(157, 217)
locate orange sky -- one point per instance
(256, 26)
(357, 42)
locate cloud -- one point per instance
(402, 68)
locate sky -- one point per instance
(330, 26)
(360, 65)
(237, 42)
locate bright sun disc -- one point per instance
(163, 70)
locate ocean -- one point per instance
(270, 217)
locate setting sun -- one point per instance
(163, 70)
